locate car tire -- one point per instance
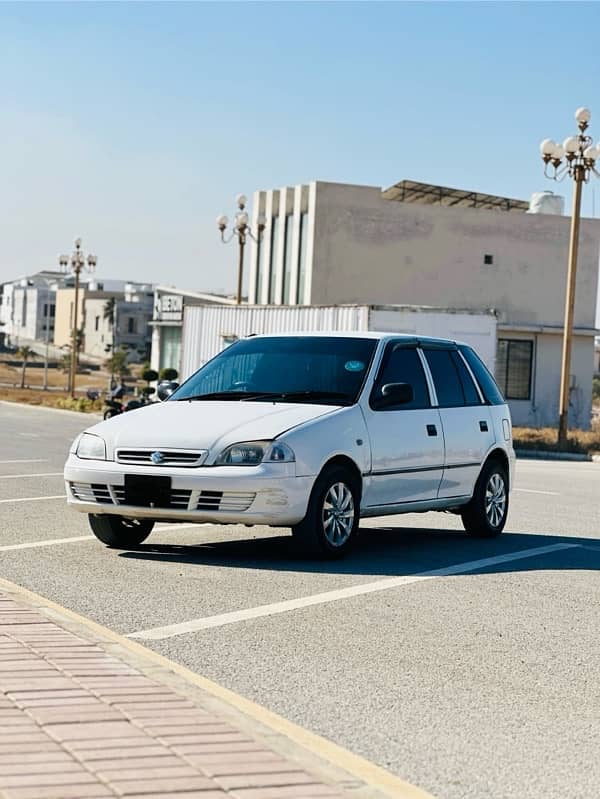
(330, 527)
(116, 531)
(485, 515)
(109, 414)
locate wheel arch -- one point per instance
(347, 463)
(498, 455)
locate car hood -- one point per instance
(203, 424)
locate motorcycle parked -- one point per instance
(115, 406)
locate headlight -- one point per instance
(252, 453)
(91, 447)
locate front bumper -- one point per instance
(267, 494)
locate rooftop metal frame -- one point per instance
(411, 191)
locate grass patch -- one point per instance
(544, 439)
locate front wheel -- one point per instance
(110, 413)
(117, 531)
(485, 515)
(330, 526)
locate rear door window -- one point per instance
(447, 382)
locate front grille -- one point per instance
(225, 501)
(92, 492)
(180, 499)
(171, 457)
(115, 495)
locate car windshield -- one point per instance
(310, 369)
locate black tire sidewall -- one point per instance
(310, 534)
(114, 531)
(474, 516)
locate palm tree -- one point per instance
(109, 313)
(25, 354)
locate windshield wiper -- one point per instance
(309, 394)
(219, 395)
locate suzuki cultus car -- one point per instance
(308, 431)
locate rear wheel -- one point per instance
(330, 526)
(485, 515)
(116, 531)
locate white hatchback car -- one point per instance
(310, 431)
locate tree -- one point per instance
(25, 354)
(149, 375)
(168, 374)
(117, 363)
(109, 313)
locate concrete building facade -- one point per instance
(28, 308)
(328, 243)
(167, 322)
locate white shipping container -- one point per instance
(209, 329)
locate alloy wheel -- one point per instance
(338, 514)
(495, 499)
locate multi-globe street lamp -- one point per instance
(241, 229)
(76, 262)
(575, 158)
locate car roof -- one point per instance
(369, 334)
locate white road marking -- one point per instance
(535, 491)
(49, 543)
(41, 474)
(27, 460)
(33, 499)
(160, 633)
(75, 538)
(29, 435)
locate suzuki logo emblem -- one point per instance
(157, 458)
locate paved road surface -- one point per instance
(482, 680)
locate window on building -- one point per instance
(514, 366)
(24, 310)
(97, 323)
(488, 259)
(52, 310)
(287, 260)
(170, 347)
(302, 257)
(131, 324)
(445, 378)
(273, 261)
(45, 310)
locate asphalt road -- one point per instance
(481, 680)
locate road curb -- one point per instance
(79, 414)
(536, 454)
(352, 773)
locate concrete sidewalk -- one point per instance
(77, 721)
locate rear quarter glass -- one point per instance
(487, 384)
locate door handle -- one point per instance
(483, 426)
(431, 430)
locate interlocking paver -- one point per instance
(76, 722)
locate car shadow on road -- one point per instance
(388, 551)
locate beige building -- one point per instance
(328, 243)
(129, 328)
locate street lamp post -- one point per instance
(241, 229)
(575, 158)
(76, 262)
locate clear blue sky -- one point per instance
(133, 125)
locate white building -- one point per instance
(27, 308)
(331, 244)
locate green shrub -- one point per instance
(168, 374)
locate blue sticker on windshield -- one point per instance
(354, 366)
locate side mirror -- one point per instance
(165, 389)
(395, 394)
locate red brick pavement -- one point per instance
(78, 722)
